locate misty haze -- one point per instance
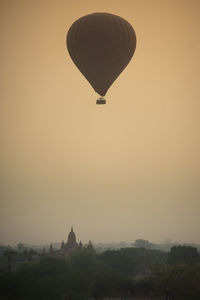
(124, 175)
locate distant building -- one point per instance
(69, 247)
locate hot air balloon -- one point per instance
(101, 45)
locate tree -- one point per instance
(177, 281)
(140, 243)
(21, 247)
(9, 254)
(183, 255)
(84, 260)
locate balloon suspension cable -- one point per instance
(101, 100)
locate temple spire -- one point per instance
(62, 245)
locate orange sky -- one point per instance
(123, 171)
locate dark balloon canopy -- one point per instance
(101, 45)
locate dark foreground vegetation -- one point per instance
(129, 273)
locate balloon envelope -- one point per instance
(101, 45)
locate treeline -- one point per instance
(125, 273)
(141, 243)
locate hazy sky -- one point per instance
(126, 170)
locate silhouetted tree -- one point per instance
(21, 247)
(177, 282)
(9, 254)
(129, 272)
(183, 255)
(140, 243)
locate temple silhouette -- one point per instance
(69, 247)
